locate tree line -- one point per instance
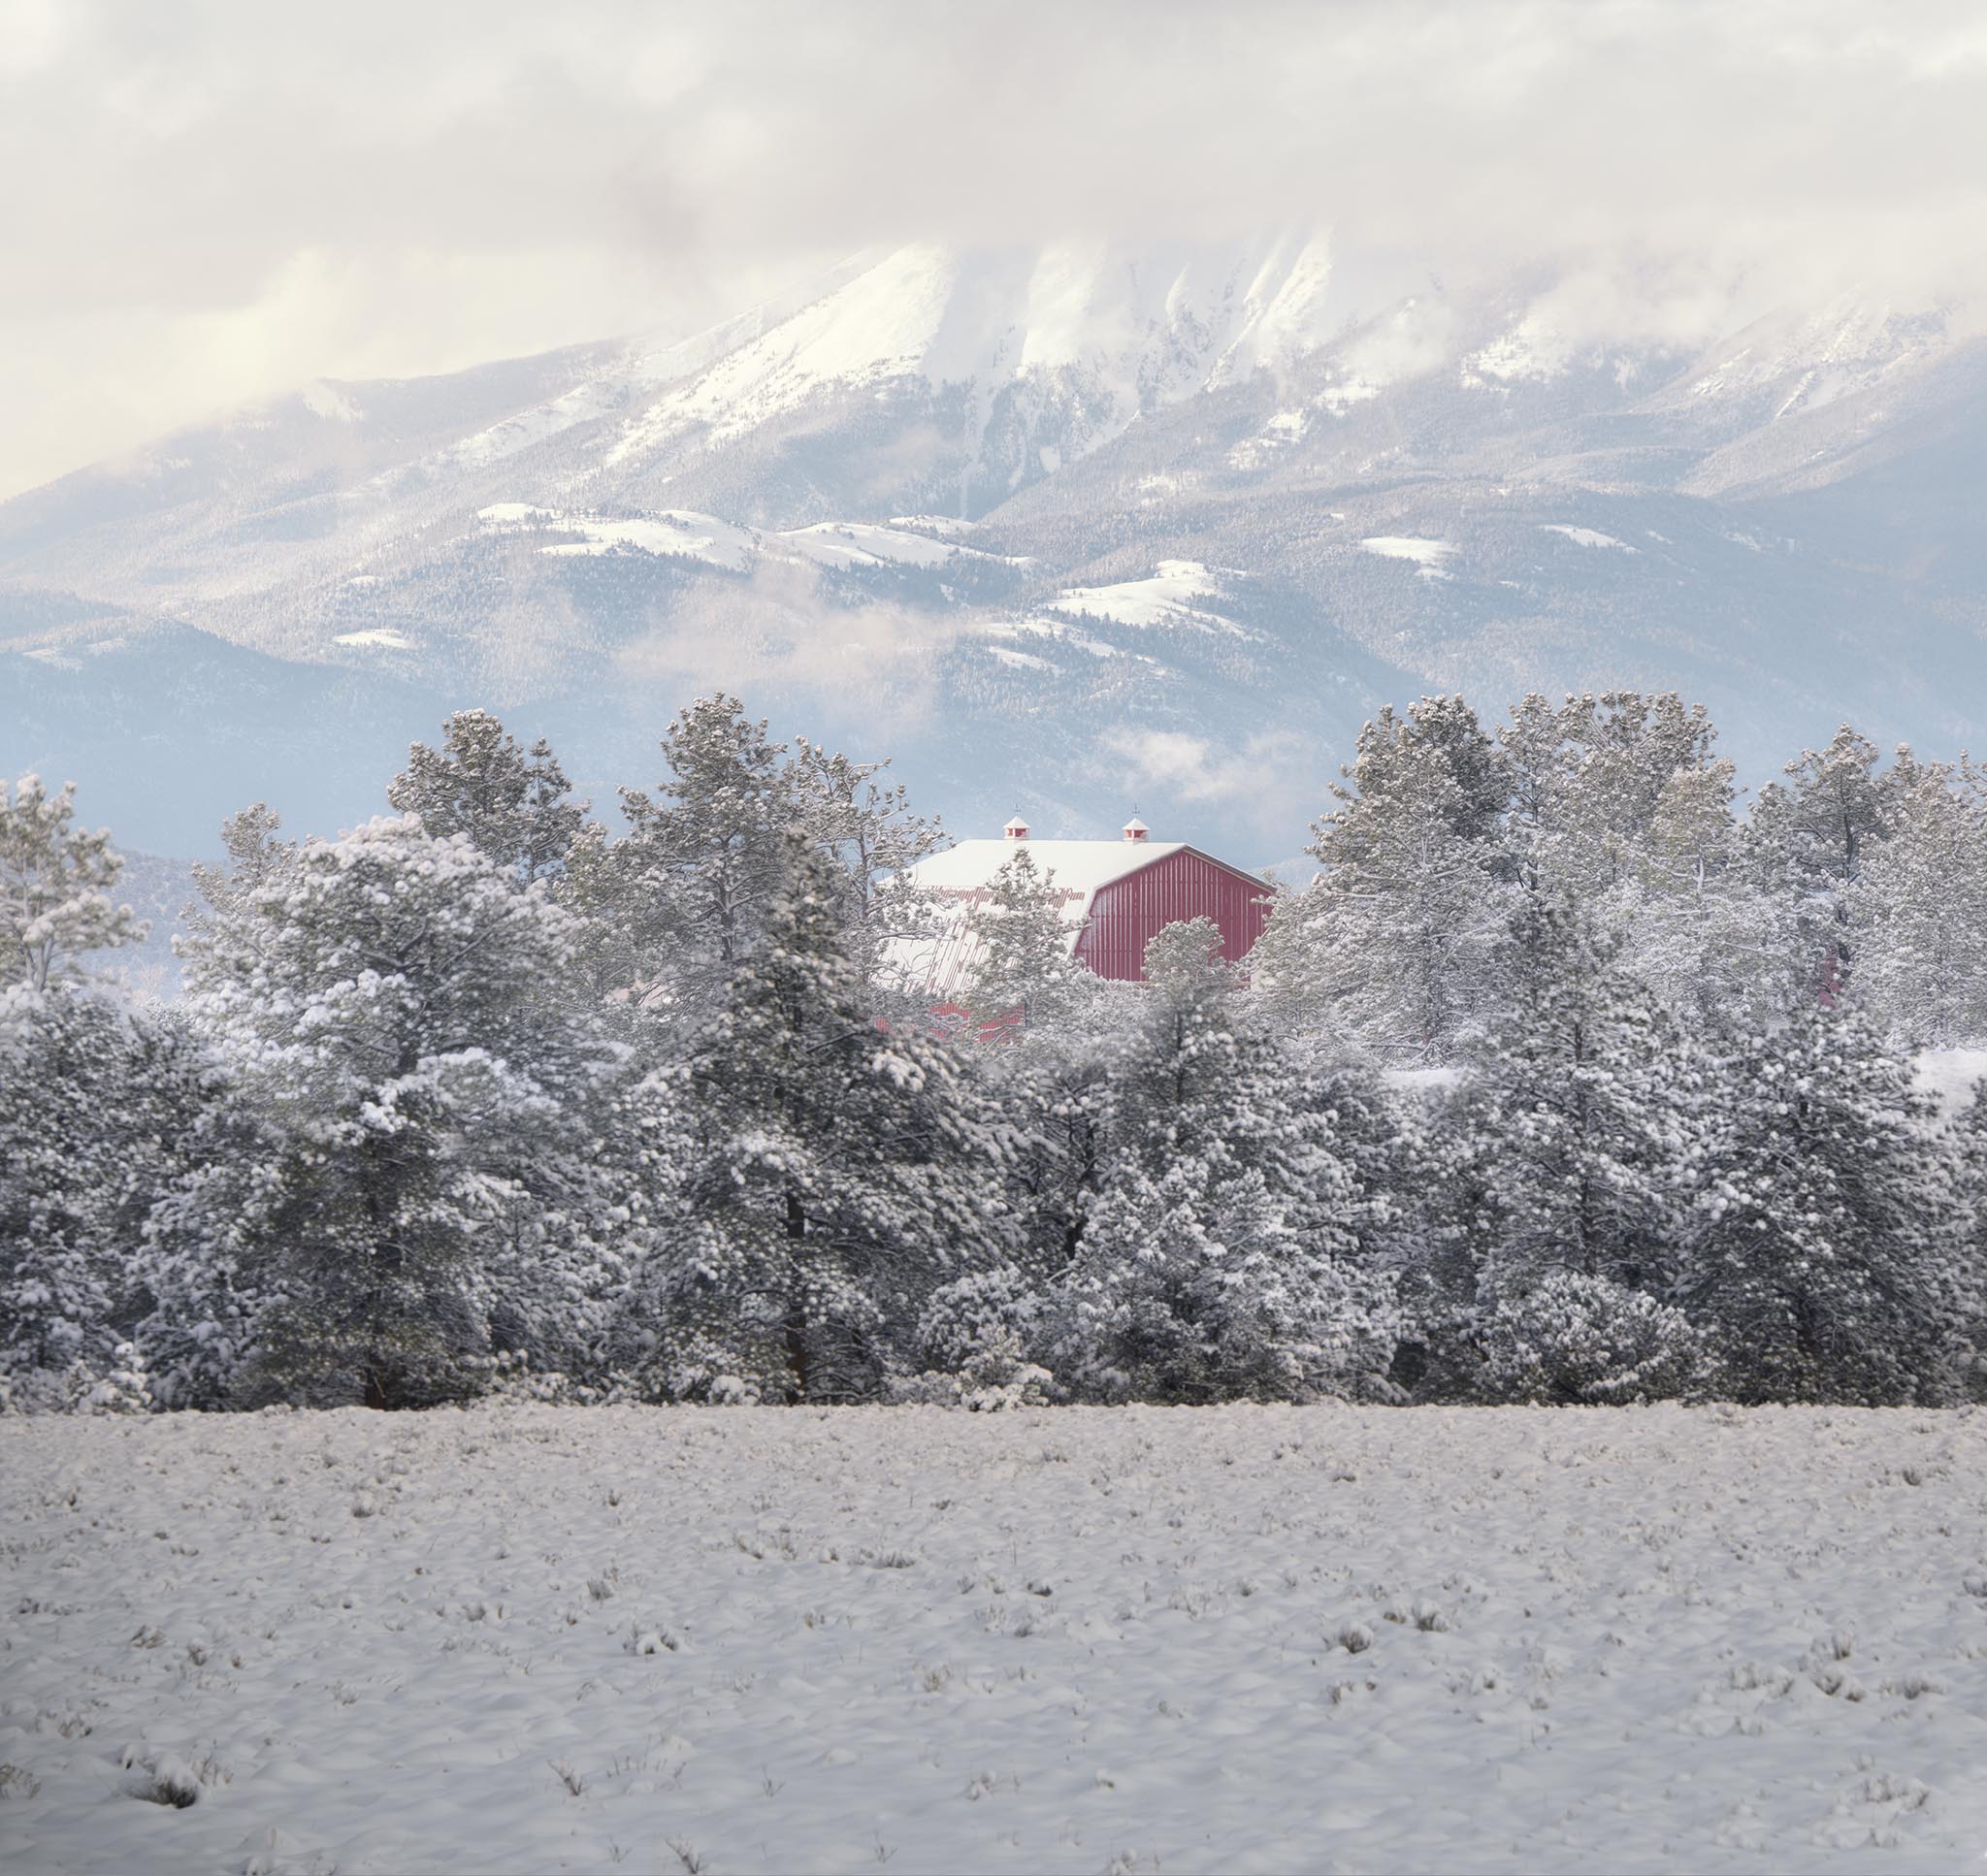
(1563, 1080)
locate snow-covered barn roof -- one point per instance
(1079, 870)
(1079, 866)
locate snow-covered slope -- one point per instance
(1063, 526)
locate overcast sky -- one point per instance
(213, 201)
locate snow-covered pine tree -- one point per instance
(1387, 948)
(1701, 931)
(55, 886)
(1024, 964)
(1574, 1134)
(1971, 1167)
(1827, 1258)
(1050, 1035)
(1219, 1260)
(1623, 751)
(256, 853)
(515, 803)
(1920, 909)
(1808, 841)
(679, 904)
(96, 1103)
(867, 832)
(420, 1102)
(835, 1174)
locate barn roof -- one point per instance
(1079, 866)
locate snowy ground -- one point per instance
(1216, 1640)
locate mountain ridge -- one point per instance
(934, 497)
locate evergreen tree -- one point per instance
(1702, 933)
(255, 857)
(677, 906)
(1576, 1131)
(1809, 837)
(1971, 1171)
(1024, 965)
(514, 803)
(1826, 1258)
(55, 885)
(419, 1101)
(1218, 1259)
(1919, 909)
(686, 896)
(1388, 949)
(870, 838)
(834, 1172)
(96, 1103)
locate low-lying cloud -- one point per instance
(217, 200)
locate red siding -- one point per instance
(1129, 914)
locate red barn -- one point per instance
(1118, 896)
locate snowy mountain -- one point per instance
(1062, 527)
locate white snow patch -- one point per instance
(934, 524)
(1585, 536)
(1426, 1083)
(1279, 434)
(866, 543)
(1058, 630)
(1427, 555)
(1174, 595)
(1022, 660)
(1950, 1076)
(1530, 352)
(503, 440)
(1340, 398)
(677, 532)
(376, 638)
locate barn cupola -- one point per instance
(1136, 831)
(1017, 829)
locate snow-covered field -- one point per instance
(526, 1638)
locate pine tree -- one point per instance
(1576, 1131)
(836, 1174)
(1388, 949)
(1218, 1259)
(1809, 839)
(1825, 1259)
(96, 1103)
(55, 885)
(1702, 933)
(1024, 964)
(255, 857)
(1971, 1171)
(419, 1101)
(870, 838)
(1919, 909)
(681, 903)
(514, 803)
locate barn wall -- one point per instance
(1128, 914)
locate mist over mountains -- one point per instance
(1060, 529)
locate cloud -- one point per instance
(776, 637)
(454, 181)
(1273, 779)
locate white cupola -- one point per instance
(1017, 829)
(1136, 831)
